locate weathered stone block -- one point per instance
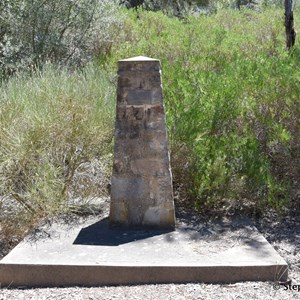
(139, 63)
(149, 167)
(139, 97)
(141, 189)
(142, 80)
(127, 187)
(159, 215)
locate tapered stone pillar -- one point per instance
(141, 185)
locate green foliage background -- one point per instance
(66, 32)
(232, 98)
(231, 94)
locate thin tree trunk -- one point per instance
(289, 24)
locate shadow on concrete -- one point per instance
(102, 234)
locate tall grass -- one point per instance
(55, 124)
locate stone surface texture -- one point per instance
(141, 185)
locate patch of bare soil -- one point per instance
(283, 234)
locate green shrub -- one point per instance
(66, 32)
(232, 100)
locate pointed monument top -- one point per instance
(139, 58)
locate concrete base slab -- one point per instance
(93, 253)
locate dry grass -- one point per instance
(55, 143)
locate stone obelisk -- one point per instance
(141, 185)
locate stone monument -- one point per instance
(141, 184)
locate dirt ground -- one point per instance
(282, 233)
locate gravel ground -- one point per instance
(284, 235)
(245, 290)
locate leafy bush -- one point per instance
(66, 32)
(231, 94)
